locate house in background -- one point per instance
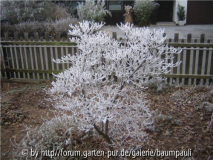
(197, 12)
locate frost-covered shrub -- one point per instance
(57, 138)
(30, 26)
(61, 25)
(6, 27)
(34, 16)
(92, 10)
(52, 135)
(143, 10)
(22, 11)
(116, 110)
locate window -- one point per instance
(115, 5)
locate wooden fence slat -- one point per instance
(26, 38)
(209, 63)
(202, 38)
(35, 71)
(31, 60)
(56, 57)
(6, 37)
(178, 67)
(171, 71)
(73, 51)
(187, 76)
(17, 63)
(114, 35)
(42, 62)
(58, 36)
(6, 64)
(12, 59)
(2, 62)
(62, 55)
(184, 66)
(189, 38)
(191, 64)
(196, 65)
(36, 61)
(26, 61)
(16, 36)
(68, 37)
(46, 61)
(67, 55)
(203, 66)
(51, 56)
(36, 36)
(22, 60)
(176, 37)
(47, 36)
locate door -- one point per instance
(116, 9)
(200, 12)
(165, 11)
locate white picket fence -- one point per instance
(34, 61)
(23, 60)
(196, 67)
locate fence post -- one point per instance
(164, 35)
(6, 57)
(176, 37)
(36, 36)
(57, 36)
(202, 38)
(189, 38)
(26, 36)
(16, 36)
(209, 41)
(6, 36)
(114, 35)
(47, 36)
(68, 37)
(63, 39)
(6, 62)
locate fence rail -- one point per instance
(32, 58)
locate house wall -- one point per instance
(168, 7)
(117, 15)
(202, 9)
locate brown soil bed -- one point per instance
(184, 124)
(22, 104)
(181, 126)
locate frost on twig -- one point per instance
(85, 28)
(210, 123)
(94, 98)
(208, 106)
(53, 135)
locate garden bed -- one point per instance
(181, 122)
